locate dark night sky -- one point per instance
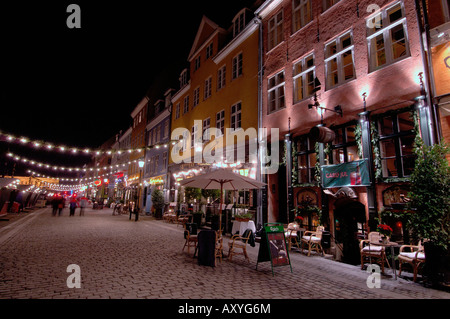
(77, 87)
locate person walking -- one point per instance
(72, 206)
(55, 203)
(83, 204)
(61, 204)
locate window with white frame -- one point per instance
(196, 97)
(339, 60)
(303, 76)
(186, 104)
(239, 23)
(183, 78)
(387, 37)
(275, 31)
(206, 125)
(197, 63)
(220, 121)
(329, 3)
(166, 129)
(221, 77)
(236, 116)
(208, 83)
(276, 92)
(177, 111)
(237, 66)
(209, 51)
(301, 13)
(194, 132)
(164, 161)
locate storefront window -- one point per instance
(396, 145)
(344, 148)
(306, 157)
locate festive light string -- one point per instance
(73, 150)
(63, 168)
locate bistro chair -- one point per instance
(370, 252)
(413, 255)
(313, 240)
(291, 235)
(190, 235)
(240, 242)
(218, 253)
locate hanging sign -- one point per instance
(273, 246)
(354, 173)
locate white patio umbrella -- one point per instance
(222, 178)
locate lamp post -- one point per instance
(141, 165)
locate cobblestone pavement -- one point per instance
(119, 258)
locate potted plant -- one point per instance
(298, 220)
(243, 217)
(158, 202)
(430, 200)
(385, 231)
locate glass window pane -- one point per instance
(346, 41)
(386, 126)
(405, 123)
(350, 131)
(407, 145)
(395, 13)
(378, 51)
(348, 65)
(302, 144)
(331, 49)
(408, 165)
(398, 42)
(298, 89)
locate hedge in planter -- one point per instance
(430, 198)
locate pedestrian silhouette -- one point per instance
(83, 204)
(61, 204)
(55, 203)
(72, 206)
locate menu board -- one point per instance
(273, 246)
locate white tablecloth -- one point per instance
(242, 226)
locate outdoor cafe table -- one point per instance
(390, 244)
(241, 227)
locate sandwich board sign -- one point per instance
(273, 246)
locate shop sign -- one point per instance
(354, 173)
(156, 180)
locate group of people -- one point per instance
(58, 203)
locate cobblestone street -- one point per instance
(119, 258)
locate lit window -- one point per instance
(276, 92)
(301, 13)
(275, 35)
(206, 126)
(339, 60)
(386, 37)
(304, 74)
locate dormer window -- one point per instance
(239, 23)
(183, 78)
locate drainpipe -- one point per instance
(260, 177)
(428, 128)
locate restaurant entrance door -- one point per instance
(349, 219)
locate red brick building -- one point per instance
(357, 68)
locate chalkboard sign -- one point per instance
(273, 246)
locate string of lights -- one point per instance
(64, 168)
(37, 144)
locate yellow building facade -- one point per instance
(219, 90)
